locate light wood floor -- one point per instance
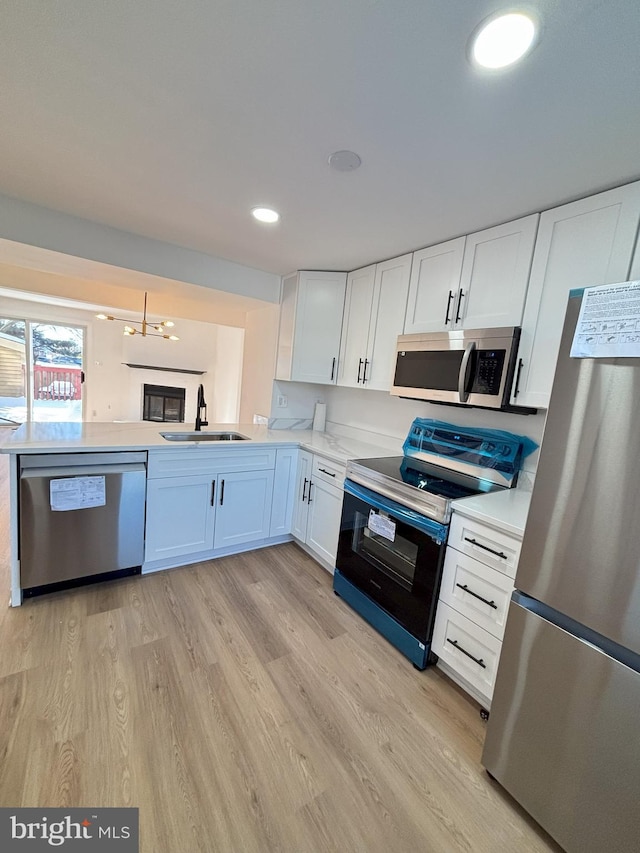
(242, 707)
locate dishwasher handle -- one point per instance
(81, 470)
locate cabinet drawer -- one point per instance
(493, 548)
(329, 471)
(197, 460)
(469, 650)
(476, 591)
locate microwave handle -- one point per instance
(463, 394)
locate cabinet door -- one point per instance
(243, 509)
(180, 516)
(355, 326)
(387, 319)
(581, 244)
(301, 505)
(284, 491)
(318, 323)
(325, 510)
(495, 275)
(435, 279)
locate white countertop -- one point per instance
(506, 510)
(91, 436)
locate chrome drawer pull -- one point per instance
(486, 548)
(479, 661)
(324, 471)
(479, 597)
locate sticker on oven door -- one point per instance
(382, 525)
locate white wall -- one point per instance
(260, 342)
(227, 382)
(380, 414)
(114, 391)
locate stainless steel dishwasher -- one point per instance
(81, 518)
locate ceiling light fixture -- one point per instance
(145, 325)
(265, 214)
(503, 39)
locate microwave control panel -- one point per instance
(488, 371)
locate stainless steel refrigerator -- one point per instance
(564, 732)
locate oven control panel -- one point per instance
(482, 447)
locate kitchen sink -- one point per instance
(203, 436)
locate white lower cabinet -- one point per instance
(323, 527)
(192, 516)
(477, 582)
(318, 506)
(468, 651)
(243, 510)
(180, 516)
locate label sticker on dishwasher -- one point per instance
(382, 525)
(77, 493)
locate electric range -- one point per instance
(394, 524)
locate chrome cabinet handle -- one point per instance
(446, 316)
(463, 394)
(304, 490)
(479, 597)
(457, 646)
(486, 548)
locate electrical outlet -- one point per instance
(283, 402)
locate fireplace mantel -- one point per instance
(165, 369)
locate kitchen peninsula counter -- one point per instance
(94, 437)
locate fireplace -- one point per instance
(162, 403)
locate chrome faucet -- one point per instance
(200, 421)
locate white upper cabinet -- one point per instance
(310, 326)
(585, 243)
(435, 281)
(358, 304)
(495, 274)
(474, 282)
(387, 318)
(374, 313)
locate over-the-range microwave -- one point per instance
(461, 367)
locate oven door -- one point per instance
(392, 554)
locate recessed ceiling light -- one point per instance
(265, 214)
(344, 161)
(503, 39)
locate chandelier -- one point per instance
(159, 329)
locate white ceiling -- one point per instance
(172, 119)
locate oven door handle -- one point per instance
(463, 394)
(375, 501)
